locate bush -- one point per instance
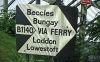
(7, 24)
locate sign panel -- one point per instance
(42, 29)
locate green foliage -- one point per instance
(8, 51)
(94, 30)
(89, 45)
(7, 24)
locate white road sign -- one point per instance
(50, 30)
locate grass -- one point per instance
(8, 51)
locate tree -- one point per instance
(87, 32)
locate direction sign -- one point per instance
(42, 29)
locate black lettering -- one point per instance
(18, 29)
(33, 12)
(34, 40)
(47, 48)
(42, 30)
(44, 12)
(28, 47)
(27, 29)
(52, 30)
(31, 29)
(60, 31)
(48, 23)
(32, 48)
(35, 20)
(41, 13)
(39, 30)
(51, 13)
(37, 12)
(41, 49)
(38, 40)
(69, 31)
(28, 11)
(56, 32)
(50, 41)
(45, 31)
(22, 29)
(50, 49)
(47, 14)
(56, 49)
(36, 48)
(65, 32)
(54, 42)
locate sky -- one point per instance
(91, 12)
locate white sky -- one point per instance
(91, 12)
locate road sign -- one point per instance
(42, 29)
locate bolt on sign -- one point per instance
(42, 29)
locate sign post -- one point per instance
(42, 29)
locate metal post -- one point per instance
(37, 1)
(5, 14)
(5, 2)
